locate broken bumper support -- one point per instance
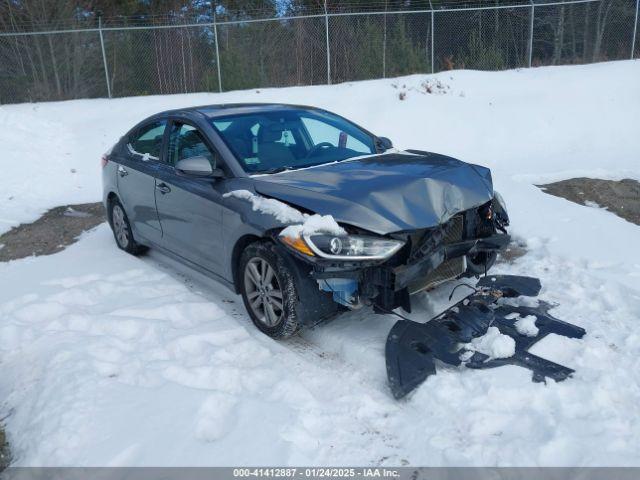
(412, 348)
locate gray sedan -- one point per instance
(302, 212)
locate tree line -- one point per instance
(286, 51)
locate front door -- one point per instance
(137, 166)
(190, 208)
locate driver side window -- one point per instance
(321, 132)
(185, 141)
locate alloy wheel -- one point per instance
(120, 226)
(263, 291)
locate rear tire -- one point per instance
(122, 229)
(269, 290)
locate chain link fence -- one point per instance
(328, 47)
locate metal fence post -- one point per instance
(432, 36)
(384, 44)
(326, 34)
(635, 30)
(530, 46)
(215, 37)
(433, 28)
(104, 57)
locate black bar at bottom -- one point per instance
(416, 473)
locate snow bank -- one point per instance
(494, 344)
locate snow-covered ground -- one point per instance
(107, 359)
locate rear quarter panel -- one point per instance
(109, 181)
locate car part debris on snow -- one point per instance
(480, 332)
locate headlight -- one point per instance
(352, 247)
(345, 247)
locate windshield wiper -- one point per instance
(276, 170)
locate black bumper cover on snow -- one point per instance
(413, 347)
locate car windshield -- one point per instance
(272, 141)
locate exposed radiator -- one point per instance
(454, 229)
(447, 270)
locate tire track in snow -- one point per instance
(309, 348)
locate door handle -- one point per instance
(122, 171)
(163, 187)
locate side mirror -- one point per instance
(384, 143)
(198, 167)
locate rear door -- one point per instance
(138, 163)
(190, 208)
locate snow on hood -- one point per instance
(384, 193)
(302, 223)
(283, 212)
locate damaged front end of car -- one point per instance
(361, 269)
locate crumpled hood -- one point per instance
(384, 193)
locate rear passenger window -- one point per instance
(147, 141)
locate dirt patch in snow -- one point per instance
(5, 457)
(514, 251)
(51, 233)
(621, 197)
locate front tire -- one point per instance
(122, 229)
(269, 290)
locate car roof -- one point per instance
(224, 109)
